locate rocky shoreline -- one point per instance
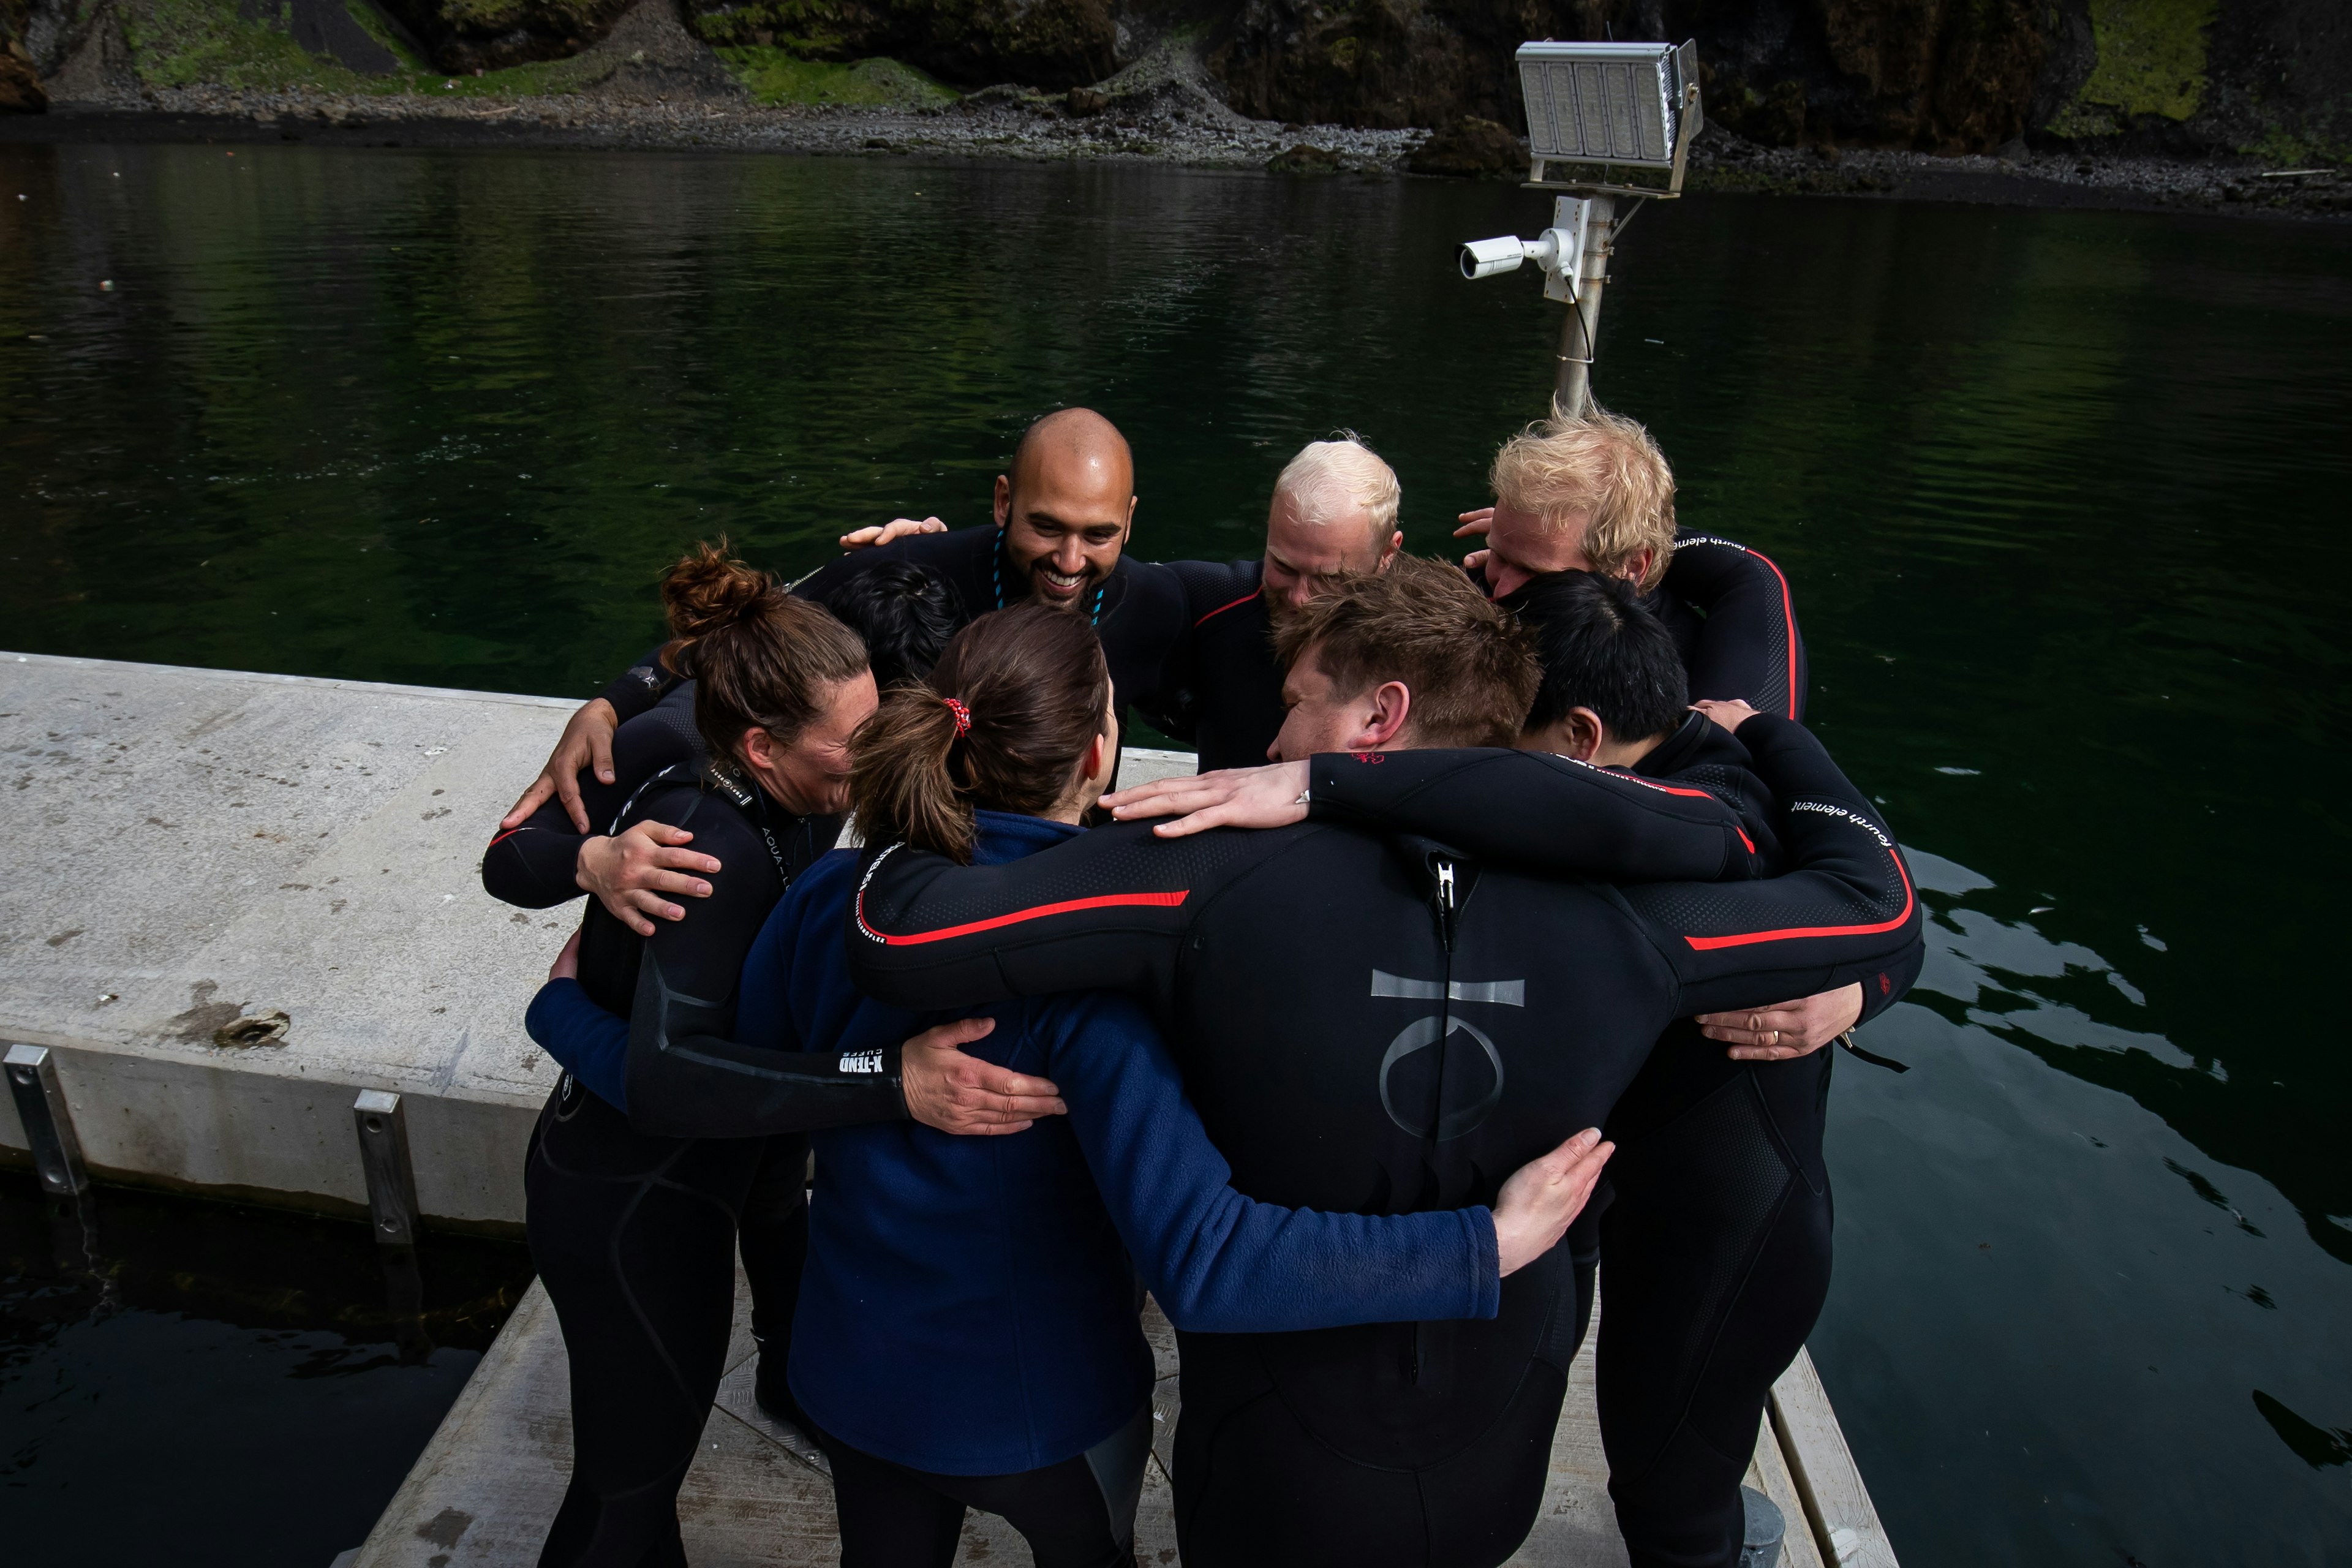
(651, 84)
(1018, 126)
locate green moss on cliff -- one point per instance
(775, 75)
(2152, 62)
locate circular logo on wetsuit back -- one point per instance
(1425, 1080)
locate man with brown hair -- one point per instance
(1500, 1013)
(1357, 656)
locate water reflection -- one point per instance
(2179, 1332)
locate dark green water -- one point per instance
(2063, 496)
(201, 1384)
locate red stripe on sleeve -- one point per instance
(1221, 609)
(1747, 939)
(1789, 618)
(1039, 911)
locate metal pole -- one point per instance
(1578, 334)
(383, 1155)
(48, 1124)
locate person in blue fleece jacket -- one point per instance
(966, 1332)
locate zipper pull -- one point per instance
(1445, 886)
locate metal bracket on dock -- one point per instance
(383, 1154)
(48, 1124)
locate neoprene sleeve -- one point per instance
(636, 688)
(1751, 648)
(1845, 911)
(1594, 822)
(686, 1079)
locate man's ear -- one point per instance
(1637, 570)
(1586, 734)
(1003, 499)
(1383, 717)
(1396, 542)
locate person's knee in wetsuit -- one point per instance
(1315, 1094)
(1714, 1244)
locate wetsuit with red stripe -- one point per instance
(1385, 1026)
(1713, 1229)
(1734, 622)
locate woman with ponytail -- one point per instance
(634, 1220)
(967, 1333)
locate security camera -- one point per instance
(1492, 257)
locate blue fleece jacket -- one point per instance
(969, 1304)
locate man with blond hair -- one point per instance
(1595, 494)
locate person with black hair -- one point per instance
(904, 612)
(1715, 1242)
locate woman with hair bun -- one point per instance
(967, 1333)
(633, 1222)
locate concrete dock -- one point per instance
(237, 901)
(486, 1488)
(198, 847)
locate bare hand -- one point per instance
(897, 528)
(1270, 796)
(629, 872)
(587, 739)
(1791, 1029)
(957, 1093)
(1543, 1197)
(567, 962)
(1730, 714)
(1474, 524)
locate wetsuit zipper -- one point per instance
(1443, 897)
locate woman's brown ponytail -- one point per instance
(1035, 692)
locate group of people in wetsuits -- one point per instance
(1498, 940)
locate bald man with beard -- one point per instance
(1063, 510)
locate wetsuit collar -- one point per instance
(1008, 836)
(1700, 739)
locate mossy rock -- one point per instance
(1302, 159)
(1472, 149)
(776, 75)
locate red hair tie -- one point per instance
(962, 715)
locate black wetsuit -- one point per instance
(532, 867)
(1384, 1026)
(1728, 608)
(1713, 1230)
(633, 1232)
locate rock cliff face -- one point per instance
(2181, 76)
(1943, 75)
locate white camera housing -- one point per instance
(1559, 250)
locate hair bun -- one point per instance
(709, 588)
